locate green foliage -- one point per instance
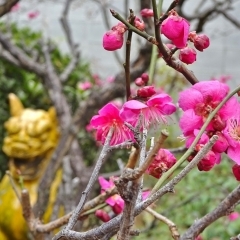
(195, 196)
(27, 86)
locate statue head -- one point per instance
(31, 138)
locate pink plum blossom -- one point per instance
(110, 79)
(145, 194)
(233, 216)
(112, 40)
(115, 201)
(33, 14)
(15, 7)
(108, 117)
(153, 110)
(84, 85)
(219, 147)
(176, 29)
(223, 78)
(232, 133)
(188, 55)
(146, 12)
(163, 161)
(202, 98)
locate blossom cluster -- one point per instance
(174, 27)
(197, 103)
(149, 108)
(153, 108)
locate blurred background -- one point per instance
(31, 21)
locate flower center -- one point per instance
(234, 129)
(205, 108)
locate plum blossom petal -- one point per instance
(232, 134)
(109, 117)
(189, 98)
(215, 89)
(154, 110)
(115, 201)
(190, 121)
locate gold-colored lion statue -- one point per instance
(32, 135)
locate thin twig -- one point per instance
(221, 210)
(73, 47)
(172, 226)
(114, 224)
(137, 173)
(74, 217)
(127, 60)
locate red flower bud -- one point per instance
(236, 171)
(201, 42)
(146, 12)
(218, 124)
(146, 91)
(145, 77)
(101, 214)
(187, 55)
(139, 82)
(208, 162)
(117, 209)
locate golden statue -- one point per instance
(32, 135)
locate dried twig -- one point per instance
(73, 47)
(172, 226)
(74, 217)
(114, 224)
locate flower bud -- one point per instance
(139, 82)
(163, 161)
(233, 216)
(208, 162)
(117, 209)
(145, 77)
(139, 24)
(112, 40)
(146, 91)
(221, 145)
(187, 55)
(236, 171)
(120, 28)
(176, 29)
(218, 124)
(103, 215)
(146, 12)
(201, 42)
